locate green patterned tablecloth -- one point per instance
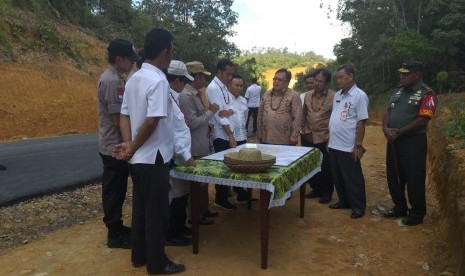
(280, 181)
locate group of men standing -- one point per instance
(334, 122)
(157, 119)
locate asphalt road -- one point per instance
(42, 166)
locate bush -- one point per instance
(455, 127)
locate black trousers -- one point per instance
(254, 112)
(150, 213)
(178, 216)
(114, 187)
(222, 190)
(406, 166)
(323, 180)
(348, 179)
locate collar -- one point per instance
(325, 92)
(349, 91)
(282, 92)
(219, 82)
(416, 86)
(191, 90)
(151, 67)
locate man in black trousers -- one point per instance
(404, 125)
(148, 135)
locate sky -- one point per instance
(299, 25)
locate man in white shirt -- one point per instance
(252, 94)
(179, 194)
(346, 133)
(239, 104)
(223, 133)
(148, 135)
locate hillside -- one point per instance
(49, 71)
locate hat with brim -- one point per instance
(196, 67)
(236, 163)
(178, 68)
(410, 66)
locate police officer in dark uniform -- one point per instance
(404, 125)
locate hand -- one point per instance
(190, 162)
(123, 151)
(213, 107)
(358, 152)
(225, 113)
(391, 134)
(232, 141)
(210, 130)
(293, 140)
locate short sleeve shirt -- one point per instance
(253, 93)
(110, 90)
(407, 104)
(348, 109)
(148, 95)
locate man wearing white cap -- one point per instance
(177, 77)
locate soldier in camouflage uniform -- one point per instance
(404, 125)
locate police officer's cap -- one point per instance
(410, 66)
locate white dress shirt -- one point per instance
(348, 109)
(252, 94)
(147, 94)
(218, 93)
(182, 134)
(239, 118)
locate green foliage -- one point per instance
(385, 33)
(441, 78)
(456, 126)
(410, 44)
(255, 62)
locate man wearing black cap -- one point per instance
(404, 125)
(110, 90)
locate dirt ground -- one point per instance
(325, 242)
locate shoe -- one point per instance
(211, 214)
(178, 241)
(324, 200)
(338, 205)
(203, 221)
(357, 214)
(119, 237)
(312, 194)
(2, 168)
(225, 205)
(394, 214)
(136, 264)
(252, 200)
(170, 268)
(186, 231)
(409, 221)
(125, 230)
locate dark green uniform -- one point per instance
(406, 156)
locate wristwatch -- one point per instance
(358, 145)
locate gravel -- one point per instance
(28, 220)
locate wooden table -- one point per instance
(275, 185)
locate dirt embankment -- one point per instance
(446, 174)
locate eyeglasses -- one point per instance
(279, 80)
